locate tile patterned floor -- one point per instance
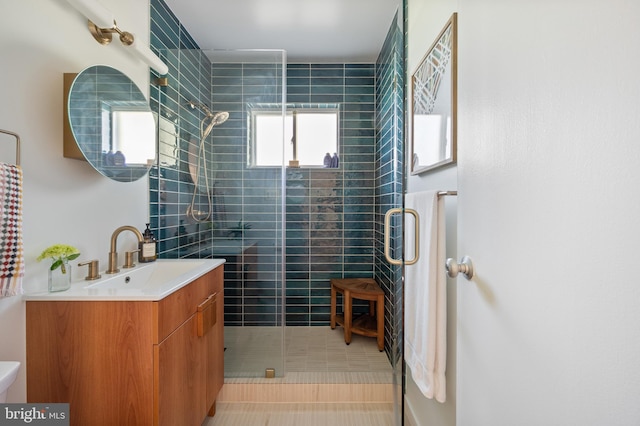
(302, 414)
(250, 350)
(310, 355)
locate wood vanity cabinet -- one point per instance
(130, 362)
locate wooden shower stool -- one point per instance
(371, 325)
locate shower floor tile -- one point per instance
(251, 350)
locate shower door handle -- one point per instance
(387, 236)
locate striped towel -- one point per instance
(11, 250)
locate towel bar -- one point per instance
(15, 135)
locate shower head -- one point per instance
(217, 118)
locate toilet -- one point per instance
(8, 374)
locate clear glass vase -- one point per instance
(60, 278)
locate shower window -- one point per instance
(311, 132)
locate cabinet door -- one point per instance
(216, 340)
(211, 342)
(218, 346)
(180, 362)
(95, 355)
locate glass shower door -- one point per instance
(249, 234)
(212, 201)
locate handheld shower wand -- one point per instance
(211, 120)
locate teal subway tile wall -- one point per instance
(333, 216)
(389, 184)
(246, 196)
(330, 211)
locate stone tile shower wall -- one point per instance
(330, 213)
(389, 177)
(252, 271)
(246, 196)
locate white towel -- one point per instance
(425, 347)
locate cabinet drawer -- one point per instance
(176, 308)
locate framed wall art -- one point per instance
(433, 104)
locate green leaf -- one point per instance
(56, 264)
(73, 256)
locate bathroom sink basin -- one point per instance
(146, 281)
(151, 275)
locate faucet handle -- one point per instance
(128, 259)
(94, 270)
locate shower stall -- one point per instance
(211, 203)
(285, 229)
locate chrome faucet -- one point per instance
(113, 254)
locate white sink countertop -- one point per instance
(148, 281)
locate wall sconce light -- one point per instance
(102, 26)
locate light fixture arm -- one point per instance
(105, 35)
(102, 26)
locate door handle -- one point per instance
(465, 266)
(387, 236)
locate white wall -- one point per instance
(64, 200)
(425, 21)
(548, 331)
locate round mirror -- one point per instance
(112, 123)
